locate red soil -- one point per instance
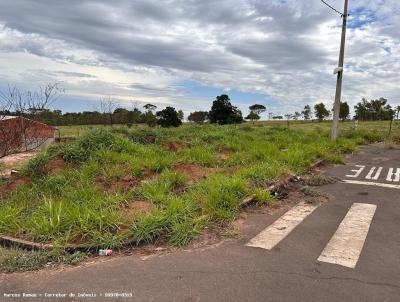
(194, 172)
(14, 184)
(175, 146)
(124, 185)
(137, 207)
(55, 166)
(224, 154)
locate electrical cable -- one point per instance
(331, 7)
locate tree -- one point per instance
(321, 112)
(107, 106)
(222, 112)
(255, 112)
(344, 111)
(181, 115)
(296, 115)
(120, 116)
(134, 116)
(288, 116)
(306, 112)
(253, 116)
(150, 107)
(258, 109)
(168, 118)
(198, 117)
(149, 117)
(373, 110)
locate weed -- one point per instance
(21, 261)
(264, 196)
(321, 180)
(77, 205)
(312, 193)
(201, 155)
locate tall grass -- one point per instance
(78, 205)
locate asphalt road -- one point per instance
(289, 271)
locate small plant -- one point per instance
(321, 180)
(22, 261)
(263, 196)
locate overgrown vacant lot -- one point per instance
(117, 186)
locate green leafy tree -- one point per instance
(253, 116)
(150, 107)
(198, 117)
(373, 110)
(344, 112)
(223, 112)
(134, 116)
(168, 118)
(149, 117)
(306, 112)
(321, 112)
(255, 111)
(181, 115)
(258, 109)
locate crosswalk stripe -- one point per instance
(277, 231)
(369, 183)
(346, 245)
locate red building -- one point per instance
(22, 134)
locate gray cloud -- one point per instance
(284, 49)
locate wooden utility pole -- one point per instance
(338, 95)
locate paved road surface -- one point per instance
(347, 249)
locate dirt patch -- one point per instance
(194, 172)
(224, 154)
(124, 185)
(175, 146)
(148, 174)
(18, 158)
(14, 184)
(137, 207)
(55, 166)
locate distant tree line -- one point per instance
(373, 110)
(222, 111)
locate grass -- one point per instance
(13, 260)
(108, 169)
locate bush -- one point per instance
(84, 148)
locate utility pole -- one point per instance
(338, 95)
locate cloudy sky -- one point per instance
(183, 53)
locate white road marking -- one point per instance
(277, 231)
(371, 173)
(393, 176)
(357, 172)
(346, 245)
(369, 183)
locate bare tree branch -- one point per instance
(108, 106)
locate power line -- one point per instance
(331, 7)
